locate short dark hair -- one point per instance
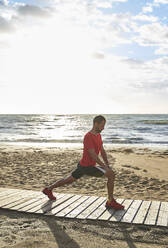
(98, 119)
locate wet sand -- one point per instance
(141, 173)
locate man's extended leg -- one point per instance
(61, 182)
(48, 190)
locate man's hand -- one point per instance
(109, 166)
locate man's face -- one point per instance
(99, 126)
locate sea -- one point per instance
(149, 130)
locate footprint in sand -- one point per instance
(165, 186)
(152, 187)
(127, 166)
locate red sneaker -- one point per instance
(49, 193)
(114, 204)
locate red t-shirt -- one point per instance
(90, 141)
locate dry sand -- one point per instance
(141, 173)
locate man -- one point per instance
(93, 145)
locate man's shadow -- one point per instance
(61, 237)
(118, 215)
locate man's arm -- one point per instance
(104, 155)
(95, 157)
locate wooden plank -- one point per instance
(8, 194)
(109, 212)
(91, 208)
(142, 212)
(163, 215)
(72, 206)
(5, 190)
(5, 196)
(82, 207)
(65, 204)
(20, 199)
(48, 206)
(32, 199)
(152, 213)
(98, 211)
(14, 198)
(31, 205)
(117, 216)
(41, 200)
(131, 212)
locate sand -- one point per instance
(141, 173)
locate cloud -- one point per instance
(4, 45)
(153, 75)
(98, 55)
(147, 8)
(105, 4)
(102, 4)
(145, 18)
(74, 45)
(150, 6)
(34, 11)
(106, 30)
(133, 62)
(154, 34)
(161, 1)
(156, 3)
(162, 51)
(5, 26)
(3, 2)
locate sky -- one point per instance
(83, 57)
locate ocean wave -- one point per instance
(155, 122)
(126, 140)
(77, 141)
(46, 140)
(142, 129)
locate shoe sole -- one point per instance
(108, 207)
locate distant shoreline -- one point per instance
(80, 145)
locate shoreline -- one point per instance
(80, 145)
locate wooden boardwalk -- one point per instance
(85, 207)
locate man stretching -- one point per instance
(87, 166)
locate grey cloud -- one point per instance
(154, 34)
(134, 63)
(4, 45)
(98, 55)
(3, 2)
(32, 10)
(153, 86)
(5, 26)
(17, 13)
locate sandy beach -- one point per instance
(141, 173)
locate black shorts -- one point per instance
(95, 171)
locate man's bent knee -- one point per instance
(110, 174)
